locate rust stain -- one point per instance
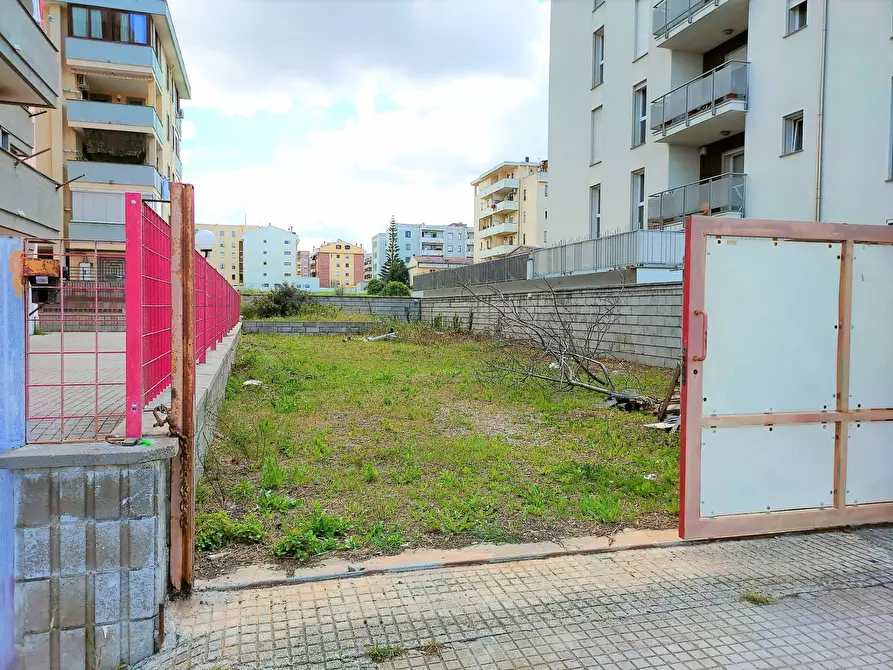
(46, 267)
(16, 262)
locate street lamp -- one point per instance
(204, 241)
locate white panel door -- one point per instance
(749, 469)
(871, 351)
(772, 334)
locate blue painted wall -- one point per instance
(12, 428)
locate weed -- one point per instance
(536, 499)
(380, 654)
(216, 529)
(602, 508)
(320, 449)
(433, 648)
(370, 474)
(270, 501)
(458, 516)
(202, 494)
(758, 598)
(272, 474)
(494, 534)
(243, 491)
(298, 475)
(318, 533)
(39, 331)
(407, 474)
(387, 539)
(248, 531)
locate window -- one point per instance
(643, 27)
(286, 274)
(598, 57)
(640, 114)
(545, 237)
(450, 248)
(793, 133)
(233, 254)
(347, 246)
(408, 247)
(545, 213)
(406, 260)
(596, 139)
(595, 210)
(546, 190)
(638, 200)
(109, 25)
(286, 263)
(233, 267)
(222, 254)
(234, 277)
(338, 246)
(337, 265)
(265, 262)
(265, 252)
(796, 15)
(266, 286)
(222, 245)
(286, 253)
(222, 233)
(265, 274)
(223, 266)
(265, 241)
(407, 234)
(288, 241)
(232, 244)
(525, 195)
(449, 236)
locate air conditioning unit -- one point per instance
(82, 82)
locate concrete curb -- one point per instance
(472, 556)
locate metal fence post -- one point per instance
(133, 311)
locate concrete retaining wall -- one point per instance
(647, 329)
(306, 327)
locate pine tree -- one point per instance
(392, 254)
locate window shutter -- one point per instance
(92, 207)
(596, 135)
(643, 27)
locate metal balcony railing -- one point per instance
(668, 14)
(701, 94)
(635, 248)
(715, 195)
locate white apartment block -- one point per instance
(454, 240)
(776, 109)
(510, 208)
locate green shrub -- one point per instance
(604, 508)
(375, 286)
(272, 475)
(370, 474)
(387, 539)
(248, 531)
(396, 289)
(212, 531)
(270, 501)
(318, 533)
(284, 300)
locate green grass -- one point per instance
(758, 598)
(374, 446)
(380, 654)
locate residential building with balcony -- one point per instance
(270, 257)
(510, 208)
(30, 203)
(227, 255)
(118, 125)
(304, 262)
(420, 265)
(454, 240)
(367, 267)
(775, 109)
(338, 263)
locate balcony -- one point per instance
(697, 25)
(723, 195)
(30, 203)
(178, 166)
(703, 110)
(115, 57)
(141, 176)
(29, 70)
(506, 206)
(501, 250)
(502, 186)
(112, 116)
(633, 249)
(499, 229)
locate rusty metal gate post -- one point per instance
(182, 489)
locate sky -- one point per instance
(332, 115)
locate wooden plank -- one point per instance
(787, 418)
(844, 332)
(671, 392)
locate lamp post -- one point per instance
(204, 241)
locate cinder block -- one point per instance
(142, 640)
(107, 597)
(73, 648)
(72, 548)
(72, 494)
(142, 594)
(142, 543)
(106, 493)
(32, 553)
(33, 652)
(108, 545)
(32, 605)
(142, 491)
(107, 639)
(72, 601)
(32, 498)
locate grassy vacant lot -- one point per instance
(365, 447)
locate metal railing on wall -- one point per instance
(512, 268)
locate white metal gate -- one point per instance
(787, 405)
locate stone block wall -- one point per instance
(306, 327)
(646, 323)
(401, 309)
(90, 562)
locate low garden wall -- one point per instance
(401, 309)
(307, 327)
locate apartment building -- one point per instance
(511, 208)
(118, 123)
(338, 263)
(30, 204)
(454, 240)
(227, 256)
(777, 109)
(270, 255)
(303, 262)
(367, 267)
(420, 265)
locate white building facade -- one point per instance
(454, 240)
(776, 109)
(270, 257)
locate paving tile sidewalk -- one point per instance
(677, 607)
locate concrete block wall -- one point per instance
(306, 327)
(381, 308)
(91, 563)
(645, 325)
